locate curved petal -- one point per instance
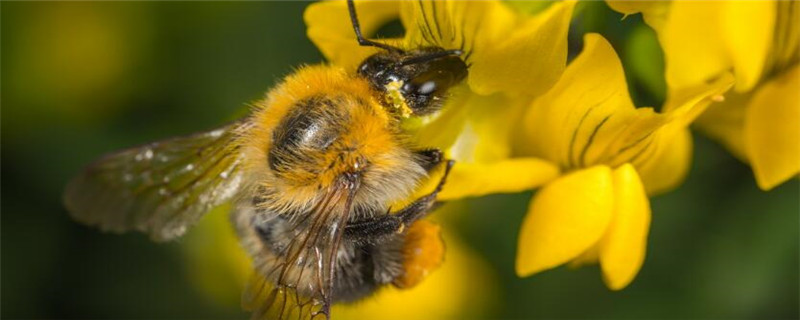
(772, 130)
(622, 248)
(565, 218)
(694, 50)
(664, 159)
(528, 58)
(670, 162)
(748, 43)
(574, 123)
(329, 28)
(506, 176)
(702, 39)
(455, 24)
(685, 104)
(724, 123)
(786, 43)
(601, 126)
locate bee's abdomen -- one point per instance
(361, 268)
(304, 135)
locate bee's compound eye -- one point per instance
(427, 88)
(420, 89)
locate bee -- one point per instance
(312, 173)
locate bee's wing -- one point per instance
(159, 188)
(310, 256)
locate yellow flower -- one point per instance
(612, 155)
(758, 41)
(512, 57)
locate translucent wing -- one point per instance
(159, 188)
(299, 282)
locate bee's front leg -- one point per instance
(429, 158)
(385, 224)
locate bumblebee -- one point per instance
(311, 172)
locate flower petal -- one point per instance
(772, 130)
(664, 161)
(455, 24)
(786, 43)
(693, 46)
(528, 58)
(748, 44)
(488, 130)
(685, 104)
(329, 28)
(575, 122)
(565, 218)
(701, 39)
(669, 163)
(507, 176)
(724, 122)
(702, 103)
(601, 126)
(622, 249)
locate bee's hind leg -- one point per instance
(386, 224)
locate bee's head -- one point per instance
(418, 79)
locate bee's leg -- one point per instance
(386, 224)
(429, 158)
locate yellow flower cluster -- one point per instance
(759, 41)
(525, 119)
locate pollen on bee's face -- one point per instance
(395, 98)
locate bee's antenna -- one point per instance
(431, 56)
(360, 37)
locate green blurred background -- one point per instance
(81, 79)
